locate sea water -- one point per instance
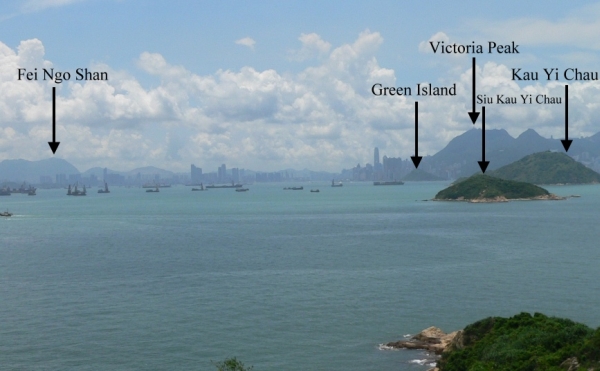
(282, 280)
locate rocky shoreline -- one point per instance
(431, 339)
(549, 197)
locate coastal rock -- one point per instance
(570, 364)
(431, 339)
(488, 200)
(457, 342)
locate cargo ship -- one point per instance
(394, 182)
(232, 185)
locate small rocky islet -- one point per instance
(485, 188)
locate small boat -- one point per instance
(293, 188)
(105, 190)
(314, 190)
(334, 184)
(160, 185)
(152, 190)
(5, 213)
(5, 192)
(241, 189)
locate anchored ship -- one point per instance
(232, 185)
(105, 190)
(154, 185)
(75, 191)
(395, 182)
(199, 189)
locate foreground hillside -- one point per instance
(547, 168)
(487, 188)
(524, 342)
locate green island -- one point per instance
(485, 188)
(523, 342)
(421, 176)
(547, 168)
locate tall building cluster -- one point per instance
(392, 168)
(222, 175)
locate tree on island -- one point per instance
(232, 364)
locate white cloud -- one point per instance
(323, 117)
(37, 5)
(579, 28)
(246, 41)
(425, 46)
(312, 46)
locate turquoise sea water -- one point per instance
(284, 280)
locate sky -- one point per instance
(269, 85)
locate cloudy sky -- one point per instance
(270, 84)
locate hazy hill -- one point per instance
(485, 187)
(547, 168)
(459, 158)
(30, 171)
(418, 175)
(148, 170)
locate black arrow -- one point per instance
(566, 142)
(473, 115)
(416, 159)
(483, 164)
(54, 144)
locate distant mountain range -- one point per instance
(147, 170)
(458, 159)
(30, 171)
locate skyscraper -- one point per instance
(376, 163)
(196, 175)
(222, 174)
(235, 174)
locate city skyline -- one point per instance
(456, 160)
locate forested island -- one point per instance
(485, 188)
(547, 168)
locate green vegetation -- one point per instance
(231, 364)
(420, 176)
(524, 343)
(480, 187)
(547, 168)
